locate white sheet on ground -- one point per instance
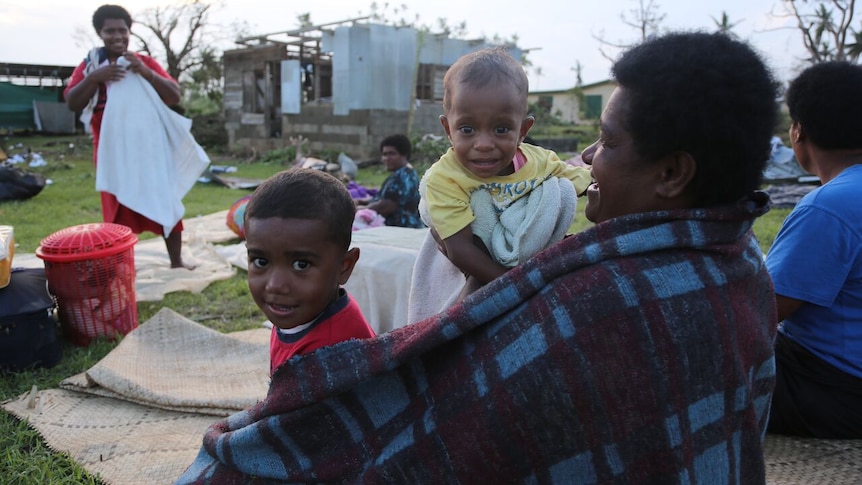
(154, 276)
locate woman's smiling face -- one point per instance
(624, 181)
(115, 34)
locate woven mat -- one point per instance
(805, 461)
(139, 414)
(173, 363)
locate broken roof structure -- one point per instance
(343, 85)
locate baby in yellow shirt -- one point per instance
(491, 200)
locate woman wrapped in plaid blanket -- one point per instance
(639, 350)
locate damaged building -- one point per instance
(343, 85)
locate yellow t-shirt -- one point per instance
(448, 186)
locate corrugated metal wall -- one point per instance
(374, 66)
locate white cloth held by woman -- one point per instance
(147, 155)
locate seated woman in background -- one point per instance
(398, 198)
(816, 262)
(639, 350)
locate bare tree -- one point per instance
(85, 38)
(177, 34)
(205, 82)
(646, 19)
(826, 29)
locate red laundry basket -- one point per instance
(91, 271)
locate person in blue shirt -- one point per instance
(816, 263)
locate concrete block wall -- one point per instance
(426, 120)
(357, 134)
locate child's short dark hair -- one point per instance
(482, 68)
(399, 142)
(305, 193)
(110, 12)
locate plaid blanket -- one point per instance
(639, 350)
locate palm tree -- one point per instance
(725, 26)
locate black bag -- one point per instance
(28, 327)
(15, 184)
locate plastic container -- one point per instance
(7, 251)
(91, 271)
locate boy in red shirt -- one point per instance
(298, 225)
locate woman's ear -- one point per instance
(677, 172)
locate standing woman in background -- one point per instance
(88, 92)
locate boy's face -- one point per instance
(294, 269)
(485, 126)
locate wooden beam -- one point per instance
(295, 32)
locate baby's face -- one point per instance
(485, 125)
(294, 269)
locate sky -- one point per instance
(559, 33)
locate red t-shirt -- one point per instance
(341, 320)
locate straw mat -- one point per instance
(138, 416)
(121, 442)
(173, 363)
(805, 461)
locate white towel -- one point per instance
(528, 224)
(436, 283)
(147, 156)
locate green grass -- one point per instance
(25, 458)
(766, 227)
(225, 305)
